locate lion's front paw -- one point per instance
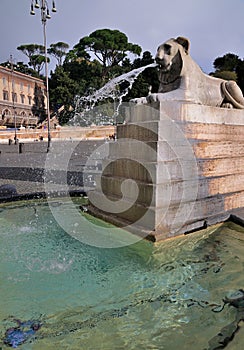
(152, 98)
(139, 100)
(227, 105)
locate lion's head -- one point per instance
(169, 60)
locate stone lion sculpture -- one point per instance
(180, 78)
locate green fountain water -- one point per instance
(141, 296)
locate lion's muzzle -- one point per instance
(162, 63)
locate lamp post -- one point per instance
(13, 97)
(45, 14)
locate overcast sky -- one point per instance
(214, 27)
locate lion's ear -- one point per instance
(183, 42)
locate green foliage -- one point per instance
(37, 62)
(240, 74)
(58, 50)
(77, 76)
(230, 67)
(228, 62)
(110, 47)
(62, 92)
(87, 74)
(225, 74)
(147, 81)
(22, 68)
(35, 54)
(31, 49)
(77, 72)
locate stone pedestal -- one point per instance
(174, 168)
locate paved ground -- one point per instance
(68, 165)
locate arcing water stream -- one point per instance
(85, 103)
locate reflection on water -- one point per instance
(143, 296)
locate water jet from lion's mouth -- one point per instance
(109, 90)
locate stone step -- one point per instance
(151, 151)
(162, 130)
(220, 166)
(151, 172)
(234, 200)
(225, 184)
(149, 194)
(113, 206)
(173, 191)
(212, 149)
(138, 230)
(213, 132)
(167, 221)
(147, 131)
(145, 112)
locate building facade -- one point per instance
(22, 99)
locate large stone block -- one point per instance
(214, 150)
(213, 132)
(175, 167)
(220, 166)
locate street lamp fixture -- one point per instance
(45, 15)
(37, 6)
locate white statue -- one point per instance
(182, 79)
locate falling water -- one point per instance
(86, 103)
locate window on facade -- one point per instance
(21, 86)
(29, 99)
(13, 84)
(6, 112)
(14, 97)
(22, 98)
(4, 82)
(29, 89)
(5, 95)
